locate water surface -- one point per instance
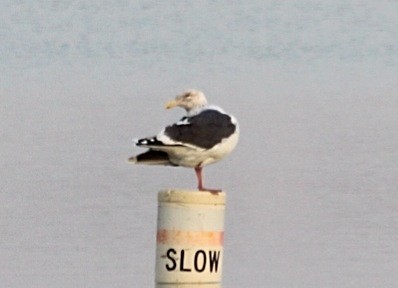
(312, 186)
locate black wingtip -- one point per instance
(151, 157)
(151, 141)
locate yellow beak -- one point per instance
(171, 104)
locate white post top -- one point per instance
(191, 197)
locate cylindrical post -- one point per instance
(190, 237)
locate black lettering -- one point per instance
(173, 260)
(197, 268)
(182, 263)
(214, 256)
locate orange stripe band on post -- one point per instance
(192, 238)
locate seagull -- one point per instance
(205, 135)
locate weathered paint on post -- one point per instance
(176, 285)
(190, 237)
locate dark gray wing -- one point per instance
(203, 130)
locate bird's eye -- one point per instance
(187, 96)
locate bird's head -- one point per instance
(189, 100)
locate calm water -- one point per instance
(312, 186)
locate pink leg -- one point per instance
(198, 171)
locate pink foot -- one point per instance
(198, 171)
(212, 191)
